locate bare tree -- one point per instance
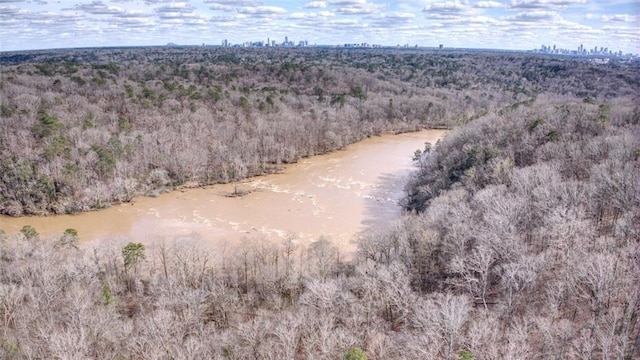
(476, 272)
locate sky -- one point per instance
(498, 24)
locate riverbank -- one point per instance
(336, 195)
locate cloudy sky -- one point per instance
(506, 24)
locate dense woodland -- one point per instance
(82, 129)
(521, 238)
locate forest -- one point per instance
(520, 240)
(86, 128)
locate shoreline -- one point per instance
(154, 193)
(335, 194)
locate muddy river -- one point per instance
(336, 195)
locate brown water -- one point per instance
(336, 195)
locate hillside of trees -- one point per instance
(521, 241)
(85, 128)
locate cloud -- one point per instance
(359, 10)
(246, 8)
(174, 10)
(487, 4)
(446, 7)
(98, 8)
(347, 2)
(315, 5)
(480, 20)
(446, 10)
(132, 14)
(542, 4)
(355, 7)
(261, 10)
(623, 30)
(231, 5)
(345, 23)
(392, 19)
(398, 15)
(155, 2)
(221, 7)
(179, 13)
(176, 7)
(576, 27)
(225, 20)
(620, 18)
(17, 23)
(134, 23)
(311, 15)
(535, 15)
(236, 2)
(11, 12)
(625, 18)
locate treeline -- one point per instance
(522, 243)
(81, 129)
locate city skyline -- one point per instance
(546, 49)
(510, 25)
